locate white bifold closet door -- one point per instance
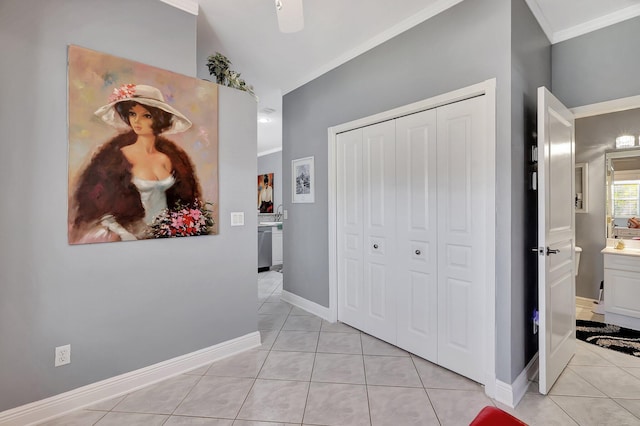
(410, 237)
(367, 229)
(417, 231)
(462, 236)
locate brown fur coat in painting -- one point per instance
(105, 186)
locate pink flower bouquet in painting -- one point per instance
(183, 221)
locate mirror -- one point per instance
(623, 193)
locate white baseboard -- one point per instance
(63, 403)
(511, 394)
(309, 306)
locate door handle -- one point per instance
(375, 246)
(418, 252)
(550, 251)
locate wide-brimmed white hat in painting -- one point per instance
(144, 95)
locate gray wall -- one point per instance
(121, 306)
(595, 135)
(530, 69)
(598, 66)
(464, 45)
(272, 163)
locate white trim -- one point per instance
(333, 222)
(434, 102)
(490, 289)
(583, 28)
(597, 23)
(63, 403)
(512, 394)
(269, 151)
(307, 305)
(541, 18)
(487, 88)
(426, 13)
(189, 6)
(606, 107)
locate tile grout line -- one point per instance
(101, 417)
(625, 408)
(424, 388)
(258, 372)
(306, 401)
(366, 383)
(563, 410)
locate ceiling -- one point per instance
(246, 31)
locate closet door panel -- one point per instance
(378, 154)
(461, 236)
(351, 303)
(417, 234)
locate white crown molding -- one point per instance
(189, 6)
(596, 24)
(59, 405)
(606, 107)
(541, 18)
(403, 26)
(269, 151)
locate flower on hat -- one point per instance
(125, 91)
(144, 95)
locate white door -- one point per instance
(417, 284)
(556, 233)
(366, 224)
(379, 223)
(463, 184)
(350, 228)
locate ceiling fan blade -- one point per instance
(290, 15)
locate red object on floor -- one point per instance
(492, 416)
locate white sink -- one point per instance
(270, 223)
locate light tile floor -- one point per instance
(311, 372)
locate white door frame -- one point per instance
(488, 89)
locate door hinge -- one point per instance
(533, 182)
(534, 154)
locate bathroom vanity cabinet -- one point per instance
(622, 287)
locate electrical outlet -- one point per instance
(63, 355)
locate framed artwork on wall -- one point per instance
(303, 180)
(265, 193)
(143, 151)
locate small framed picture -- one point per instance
(303, 180)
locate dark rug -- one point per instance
(609, 336)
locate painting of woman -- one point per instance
(143, 151)
(265, 193)
(137, 174)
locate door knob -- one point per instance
(418, 252)
(375, 246)
(550, 251)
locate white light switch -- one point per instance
(285, 214)
(237, 218)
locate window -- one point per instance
(626, 198)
